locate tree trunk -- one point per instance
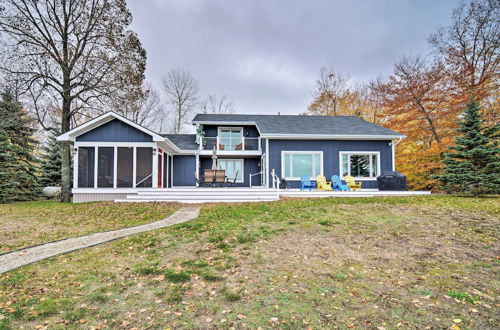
(65, 151)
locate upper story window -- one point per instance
(230, 138)
(360, 165)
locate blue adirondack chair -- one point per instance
(306, 183)
(337, 184)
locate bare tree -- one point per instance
(217, 105)
(331, 87)
(470, 46)
(70, 52)
(181, 91)
(148, 111)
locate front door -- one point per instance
(160, 168)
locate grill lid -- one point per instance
(392, 173)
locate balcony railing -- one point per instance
(240, 144)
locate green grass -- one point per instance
(30, 223)
(405, 262)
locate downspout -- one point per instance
(393, 146)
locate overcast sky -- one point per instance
(265, 55)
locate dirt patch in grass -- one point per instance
(391, 263)
(30, 223)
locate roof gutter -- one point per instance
(331, 137)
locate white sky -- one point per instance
(265, 55)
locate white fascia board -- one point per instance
(330, 137)
(169, 145)
(101, 120)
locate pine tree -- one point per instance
(18, 144)
(473, 164)
(50, 163)
(7, 161)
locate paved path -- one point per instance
(26, 256)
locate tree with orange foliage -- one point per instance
(415, 99)
(334, 97)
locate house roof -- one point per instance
(182, 141)
(281, 125)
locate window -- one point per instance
(105, 167)
(298, 163)
(231, 138)
(360, 164)
(124, 169)
(86, 163)
(233, 167)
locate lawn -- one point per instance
(31, 223)
(408, 262)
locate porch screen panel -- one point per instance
(144, 169)
(105, 167)
(125, 168)
(86, 162)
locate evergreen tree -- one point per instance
(473, 164)
(50, 162)
(7, 161)
(18, 144)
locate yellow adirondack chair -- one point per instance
(353, 185)
(322, 184)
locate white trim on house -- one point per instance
(371, 178)
(115, 144)
(291, 153)
(242, 167)
(330, 137)
(267, 163)
(101, 120)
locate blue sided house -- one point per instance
(114, 157)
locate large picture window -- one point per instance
(86, 165)
(360, 164)
(231, 138)
(232, 167)
(295, 164)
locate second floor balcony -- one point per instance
(232, 144)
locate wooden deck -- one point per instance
(228, 195)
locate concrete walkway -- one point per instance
(26, 256)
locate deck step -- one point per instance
(202, 195)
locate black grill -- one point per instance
(391, 180)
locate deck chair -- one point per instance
(322, 184)
(353, 185)
(232, 181)
(209, 177)
(337, 184)
(306, 183)
(220, 178)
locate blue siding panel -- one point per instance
(184, 170)
(250, 165)
(331, 151)
(115, 131)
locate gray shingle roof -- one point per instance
(183, 141)
(287, 124)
